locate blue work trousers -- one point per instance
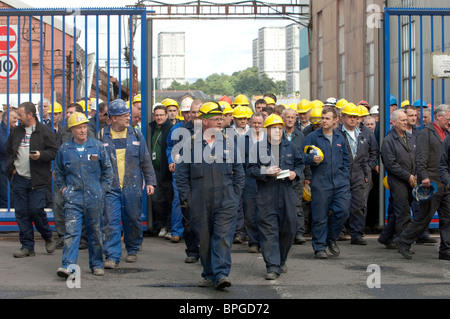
(326, 229)
(125, 207)
(74, 217)
(277, 222)
(29, 209)
(215, 227)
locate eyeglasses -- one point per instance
(216, 119)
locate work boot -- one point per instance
(110, 264)
(132, 258)
(98, 272)
(403, 249)
(63, 273)
(50, 245)
(223, 282)
(272, 275)
(23, 252)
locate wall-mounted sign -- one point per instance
(440, 65)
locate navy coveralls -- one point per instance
(212, 185)
(276, 200)
(330, 188)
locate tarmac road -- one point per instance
(160, 273)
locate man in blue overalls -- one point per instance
(276, 198)
(210, 181)
(133, 171)
(330, 185)
(83, 173)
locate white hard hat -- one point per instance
(155, 105)
(374, 110)
(185, 105)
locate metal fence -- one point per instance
(71, 55)
(416, 66)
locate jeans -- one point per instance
(177, 215)
(125, 207)
(74, 217)
(29, 209)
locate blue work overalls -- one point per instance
(330, 188)
(125, 204)
(86, 179)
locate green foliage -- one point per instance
(246, 82)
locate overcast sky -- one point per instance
(212, 46)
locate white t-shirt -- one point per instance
(22, 162)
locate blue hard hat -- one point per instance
(118, 107)
(392, 100)
(419, 103)
(424, 194)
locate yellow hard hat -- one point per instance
(303, 106)
(292, 106)
(385, 182)
(57, 108)
(249, 112)
(405, 103)
(273, 119)
(341, 103)
(227, 109)
(315, 117)
(137, 98)
(312, 149)
(317, 104)
(307, 193)
(75, 119)
(83, 105)
(170, 102)
(210, 108)
(363, 111)
(350, 109)
(240, 99)
(180, 116)
(240, 112)
(269, 101)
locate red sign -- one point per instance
(4, 38)
(10, 66)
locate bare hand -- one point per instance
(292, 175)
(36, 156)
(150, 190)
(273, 170)
(317, 159)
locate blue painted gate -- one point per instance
(71, 55)
(415, 42)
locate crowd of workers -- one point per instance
(221, 173)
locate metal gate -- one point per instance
(71, 55)
(416, 66)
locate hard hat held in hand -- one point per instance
(312, 149)
(307, 193)
(424, 194)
